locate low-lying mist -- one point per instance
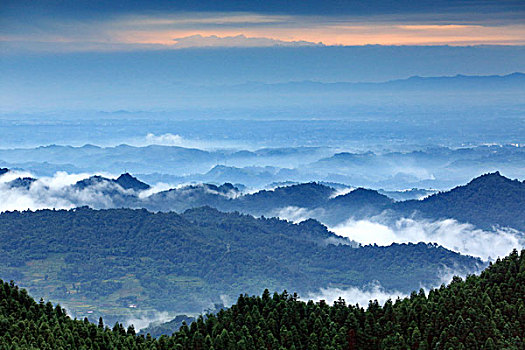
(45, 192)
(355, 295)
(384, 230)
(58, 192)
(460, 237)
(375, 291)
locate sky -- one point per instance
(54, 25)
(130, 54)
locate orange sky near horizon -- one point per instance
(143, 30)
(361, 34)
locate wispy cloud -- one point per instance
(142, 30)
(176, 140)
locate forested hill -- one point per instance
(486, 201)
(482, 312)
(119, 257)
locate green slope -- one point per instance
(105, 262)
(482, 312)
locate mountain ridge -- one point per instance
(488, 201)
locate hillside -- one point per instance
(486, 201)
(309, 195)
(481, 312)
(26, 324)
(125, 181)
(105, 260)
(167, 328)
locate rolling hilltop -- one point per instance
(427, 167)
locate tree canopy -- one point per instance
(480, 312)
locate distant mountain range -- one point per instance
(430, 167)
(511, 82)
(487, 201)
(173, 77)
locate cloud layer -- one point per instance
(460, 237)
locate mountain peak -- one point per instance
(489, 179)
(306, 186)
(22, 182)
(312, 225)
(227, 187)
(90, 181)
(494, 174)
(127, 181)
(487, 201)
(364, 194)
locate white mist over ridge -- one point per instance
(143, 320)
(355, 295)
(177, 140)
(463, 238)
(375, 291)
(295, 214)
(342, 191)
(43, 193)
(159, 187)
(460, 237)
(58, 192)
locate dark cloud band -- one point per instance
(86, 8)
